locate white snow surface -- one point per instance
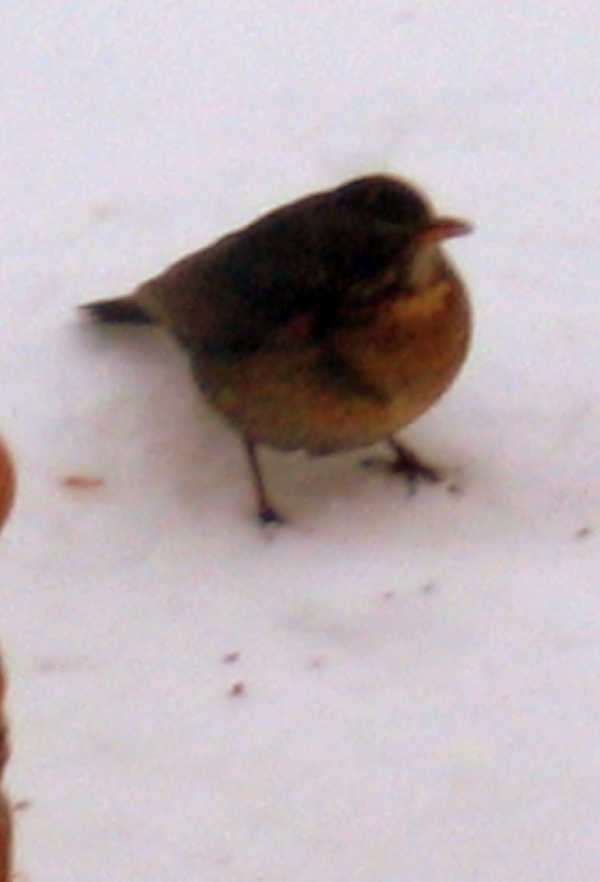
(391, 687)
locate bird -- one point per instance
(326, 325)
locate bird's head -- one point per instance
(391, 201)
(402, 220)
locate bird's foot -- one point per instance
(411, 468)
(268, 515)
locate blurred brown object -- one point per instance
(7, 482)
(7, 493)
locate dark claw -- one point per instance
(411, 468)
(268, 515)
(412, 476)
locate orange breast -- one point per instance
(398, 366)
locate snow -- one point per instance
(390, 688)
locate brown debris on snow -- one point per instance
(5, 814)
(7, 493)
(82, 482)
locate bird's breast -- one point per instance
(362, 384)
(415, 345)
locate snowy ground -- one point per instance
(391, 688)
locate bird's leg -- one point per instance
(408, 465)
(266, 513)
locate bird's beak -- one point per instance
(443, 228)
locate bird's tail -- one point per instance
(119, 310)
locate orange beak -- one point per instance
(443, 228)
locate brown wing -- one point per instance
(298, 262)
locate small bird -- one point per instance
(326, 325)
